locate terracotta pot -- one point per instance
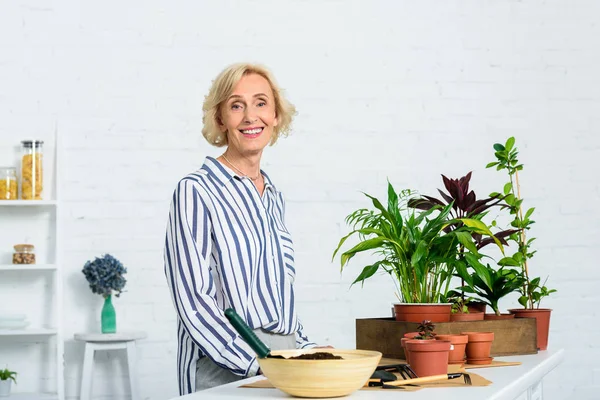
(406, 352)
(420, 312)
(542, 317)
(459, 342)
(479, 345)
(475, 306)
(429, 357)
(407, 336)
(472, 316)
(494, 317)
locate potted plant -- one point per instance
(490, 284)
(426, 355)
(6, 376)
(466, 205)
(532, 290)
(105, 276)
(460, 308)
(415, 248)
(424, 332)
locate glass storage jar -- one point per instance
(24, 254)
(31, 170)
(8, 183)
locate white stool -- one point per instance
(109, 341)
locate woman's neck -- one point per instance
(248, 165)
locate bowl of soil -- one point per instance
(319, 372)
(309, 372)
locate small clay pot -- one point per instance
(407, 336)
(459, 342)
(429, 357)
(494, 317)
(479, 345)
(472, 316)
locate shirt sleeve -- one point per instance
(302, 341)
(188, 249)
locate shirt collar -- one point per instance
(225, 175)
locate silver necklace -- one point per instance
(238, 170)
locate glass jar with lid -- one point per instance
(24, 254)
(8, 183)
(31, 170)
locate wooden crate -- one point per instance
(511, 336)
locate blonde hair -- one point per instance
(221, 89)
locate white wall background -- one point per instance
(404, 90)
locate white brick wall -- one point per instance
(404, 90)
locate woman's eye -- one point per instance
(262, 104)
(236, 106)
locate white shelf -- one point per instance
(33, 396)
(28, 332)
(21, 203)
(27, 267)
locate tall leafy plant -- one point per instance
(532, 290)
(414, 247)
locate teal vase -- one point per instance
(108, 316)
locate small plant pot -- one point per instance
(429, 357)
(407, 336)
(494, 317)
(406, 353)
(472, 316)
(542, 317)
(459, 344)
(5, 388)
(420, 312)
(479, 346)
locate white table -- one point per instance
(509, 383)
(109, 341)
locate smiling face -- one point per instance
(248, 116)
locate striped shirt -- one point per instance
(227, 246)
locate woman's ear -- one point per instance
(220, 124)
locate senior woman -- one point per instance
(227, 244)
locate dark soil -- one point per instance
(316, 356)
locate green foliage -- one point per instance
(414, 247)
(531, 291)
(6, 374)
(489, 284)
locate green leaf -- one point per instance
(368, 244)
(523, 301)
(510, 199)
(492, 164)
(510, 143)
(419, 253)
(367, 272)
(507, 188)
(480, 227)
(481, 270)
(508, 262)
(498, 147)
(466, 240)
(529, 212)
